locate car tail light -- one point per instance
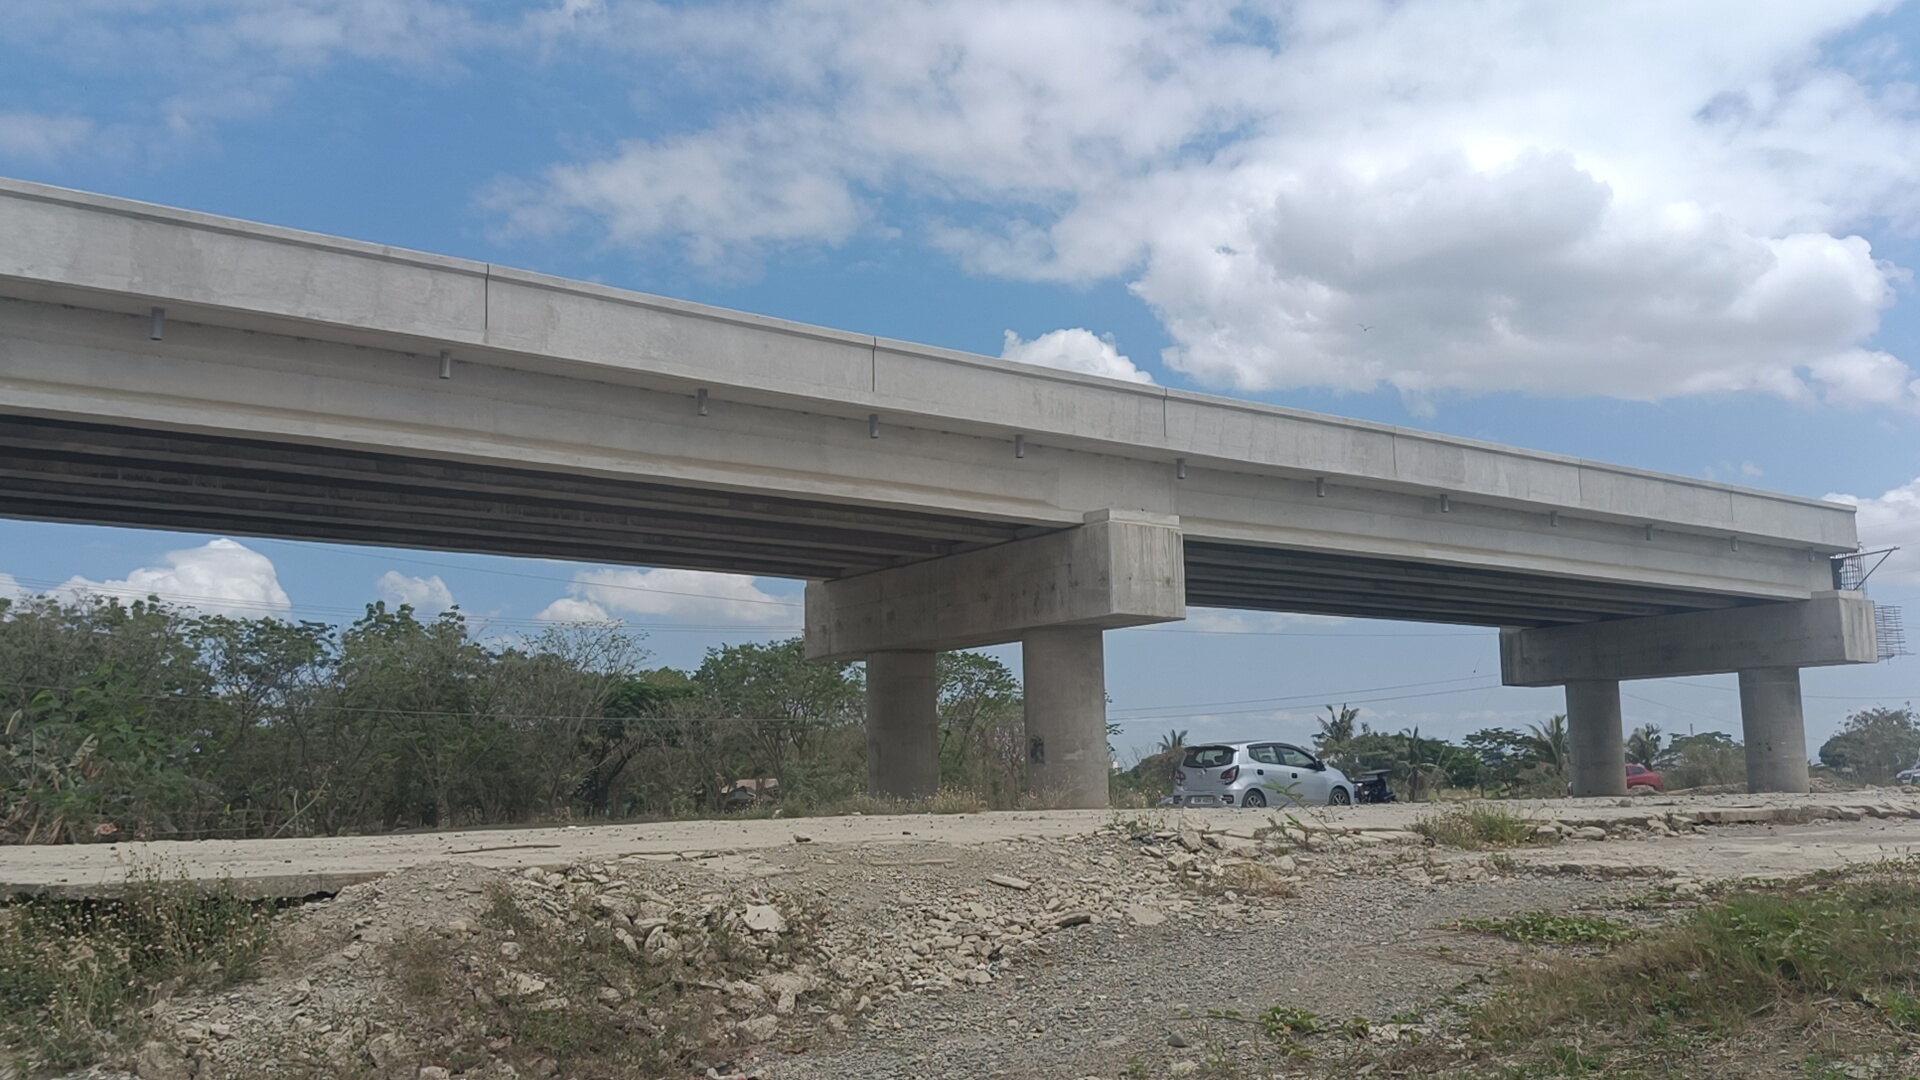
(1179, 776)
(1228, 776)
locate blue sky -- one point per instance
(1673, 236)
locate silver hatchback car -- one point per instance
(1257, 774)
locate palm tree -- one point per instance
(1173, 740)
(1336, 734)
(1643, 745)
(1548, 746)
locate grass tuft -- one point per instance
(1476, 825)
(1546, 928)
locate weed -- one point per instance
(1546, 928)
(1138, 826)
(1476, 825)
(74, 974)
(1285, 1022)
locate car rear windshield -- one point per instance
(1208, 757)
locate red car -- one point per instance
(1641, 776)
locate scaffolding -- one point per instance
(1850, 573)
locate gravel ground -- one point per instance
(1114, 951)
(1116, 997)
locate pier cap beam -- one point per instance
(1831, 628)
(1119, 569)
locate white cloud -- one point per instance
(199, 62)
(32, 137)
(221, 577)
(1074, 350)
(1437, 197)
(682, 595)
(11, 589)
(1891, 520)
(428, 596)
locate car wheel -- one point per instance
(1254, 797)
(1341, 797)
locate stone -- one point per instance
(1590, 832)
(158, 1061)
(760, 1028)
(435, 1072)
(523, 984)
(764, 919)
(1144, 915)
(1006, 882)
(1183, 1068)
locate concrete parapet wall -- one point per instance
(1114, 571)
(1832, 628)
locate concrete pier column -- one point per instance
(903, 725)
(1775, 729)
(1066, 701)
(1594, 735)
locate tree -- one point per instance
(783, 704)
(1547, 745)
(1711, 758)
(982, 727)
(1173, 740)
(1501, 755)
(1643, 746)
(1874, 744)
(1334, 743)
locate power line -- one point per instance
(1334, 694)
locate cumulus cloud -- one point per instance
(221, 577)
(605, 595)
(428, 595)
(1891, 520)
(1074, 350)
(11, 589)
(1437, 196)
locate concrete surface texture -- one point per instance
(325, 355)
(170, 369)
(1595, 738)
(903, 725)
(325, 864)
(1831, 628)
(1114, 571)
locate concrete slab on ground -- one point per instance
(300, 867)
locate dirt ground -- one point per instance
(1066, 945)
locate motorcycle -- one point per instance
(1375, 788)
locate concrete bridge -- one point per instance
(165, 368)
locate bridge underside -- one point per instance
(53, 470)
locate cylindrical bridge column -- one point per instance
(1066, 702)
(1775, 729)
(903, 725)
(1595, 737)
